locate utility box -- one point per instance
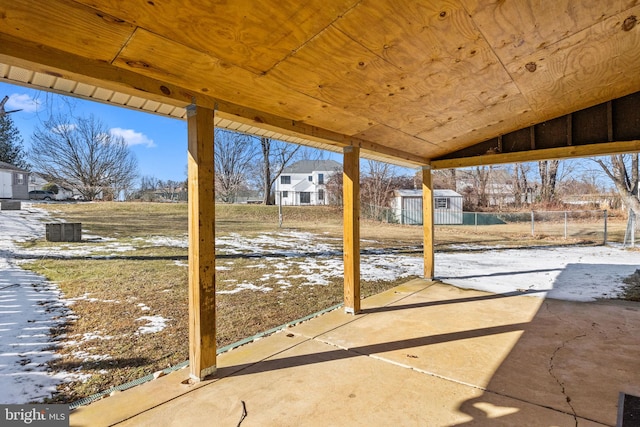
(64, 232)
(10, 205)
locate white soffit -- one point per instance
(45, 82)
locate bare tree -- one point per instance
(83, 155)
(234, 153)
(623, 170)
(150, 183)
(481, 176)
(376, 183)
(172, 187)
(548, 178)
(442, 179)
(149, 186)
(276, 155)
(334, 188)
(521, 188)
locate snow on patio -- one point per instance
(30, 306)
(577, 273)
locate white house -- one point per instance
(303, 183)
(13, 182)
(38, 182)
(407, 207)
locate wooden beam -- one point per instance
(304, 130)
(427, 222)
(351, 238)
(202, 292)
(589, 150)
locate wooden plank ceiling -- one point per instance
(403, 80)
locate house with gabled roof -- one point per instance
(304, 182)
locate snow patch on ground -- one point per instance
(154, 324)
(246, 287)
(143, 307)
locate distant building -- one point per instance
(497, 191)
(407, 207)
(14, 182)
(39, 182)
(304, 182)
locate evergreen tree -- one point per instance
(11, 143)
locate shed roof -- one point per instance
(405, 81)
(8, 166)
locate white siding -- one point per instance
(301, 190)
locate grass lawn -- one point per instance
(133, 272)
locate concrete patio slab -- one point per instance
(424, 354)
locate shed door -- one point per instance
(6, 182)
(412, 210)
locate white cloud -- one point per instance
(64, 128)
(131, 137)
(23, 102)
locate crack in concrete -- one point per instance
(560, 383)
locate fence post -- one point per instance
(533, 228)
(476, 220)
(565, 225)
(605, 227)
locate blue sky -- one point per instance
(159, 143)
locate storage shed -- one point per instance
(407, 207)
(13, 182)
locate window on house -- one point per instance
(285, 194)
(32, 178)
(310, 178)
(305, 197)
(19, 178)
(320, 179)
(285, 179)
(441, 203)
(320, 194)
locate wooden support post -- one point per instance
(202, 292)
(351, 196)
(427, 222)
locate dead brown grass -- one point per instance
(632, 290)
